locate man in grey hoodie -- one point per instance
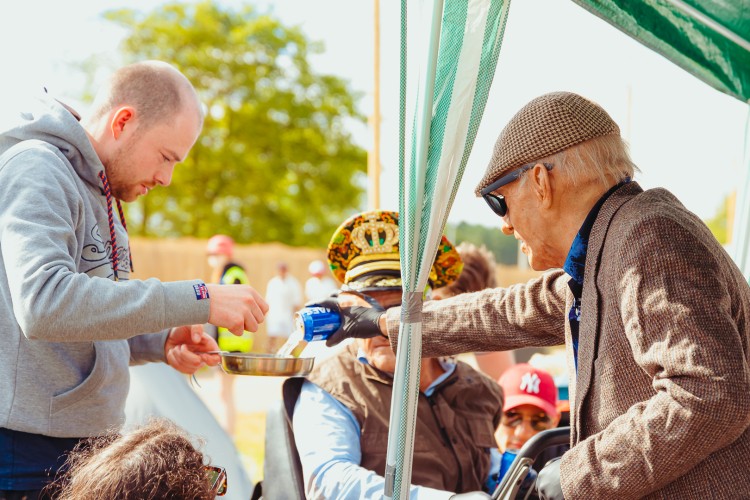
(70, 319)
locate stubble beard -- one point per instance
(117, 170)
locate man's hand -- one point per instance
(236, 308)
(360, 316)
(184, 349)
(548, 484)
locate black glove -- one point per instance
(356, 321)
(548, 484)
(472, 495)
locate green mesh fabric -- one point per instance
(423, 179)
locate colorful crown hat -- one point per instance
(364, 254)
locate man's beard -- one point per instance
(117, 172)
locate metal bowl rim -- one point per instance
(259, 365)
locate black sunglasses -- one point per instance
(497, 201)
(539, 422)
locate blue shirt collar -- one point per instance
(575, 262)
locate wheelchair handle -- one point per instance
(511, 482)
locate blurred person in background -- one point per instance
(530, 407)
(152, 462)
(319, 285)
(478, 273)
(225, 271)
(284, 297)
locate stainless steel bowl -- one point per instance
(265, 365)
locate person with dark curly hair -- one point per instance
(155, 461)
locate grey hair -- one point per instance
(605, 159)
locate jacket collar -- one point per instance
(589, 327)
(575, 262)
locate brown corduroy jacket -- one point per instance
(662, 391)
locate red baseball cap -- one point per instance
(220, 244)
(525, 385)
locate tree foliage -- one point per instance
(275, 161)
(504, 248)
(719, 223)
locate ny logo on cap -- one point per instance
(530, 383)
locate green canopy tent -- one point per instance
(708, 39)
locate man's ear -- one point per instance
(542, 184)
(121, 118)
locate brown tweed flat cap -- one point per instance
(545, 126)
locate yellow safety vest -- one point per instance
(228, 341)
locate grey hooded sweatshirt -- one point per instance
(68, 331)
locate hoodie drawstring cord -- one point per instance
(111, 222)
(125, 226)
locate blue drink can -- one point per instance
(317, 323)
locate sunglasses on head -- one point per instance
(217, 477)
(497, 201)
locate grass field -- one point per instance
(249, 439)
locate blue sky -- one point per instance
(684, 135)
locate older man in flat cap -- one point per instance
(654, 314)
(341, 413)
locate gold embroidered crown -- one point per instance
(375, 235)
